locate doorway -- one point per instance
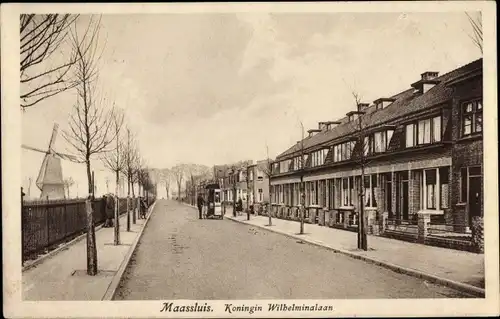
(474, 197)
(388, 196)
(403, 196)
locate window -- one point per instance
(465, 173)
(370, 185)
(378, 142)
(369, 145)
(430, 181)
(444, 181)
(436, 129)
(284, 166)
(410, 136)
(276, 168)
(342, 152)
(314, 193)
(423, 132)
(308, 194)
(347, 186)
(472, 117)
(318, 157)
(331, 193)
(260, 195)
(322, 193)
(389, 137)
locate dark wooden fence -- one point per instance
(45, 224)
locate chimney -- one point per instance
(429, 75)
(383, 102)
(427, 81)
(313, 132)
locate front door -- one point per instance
(474, 197)
(404, 199)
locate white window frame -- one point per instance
(343, 192)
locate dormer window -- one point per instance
(313, 132)
(382, 103)
(378, 142)
(428, 80)
(318, 157)
(330, 125)
(423, 132)
(354, 115)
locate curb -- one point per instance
(476, 291)
(113, 286)
(54, 252)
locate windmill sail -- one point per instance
(41, 174)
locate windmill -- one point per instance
(50, 179)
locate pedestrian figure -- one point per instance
(144, 207)
(201, 202)
(109, 206)
(239, 206)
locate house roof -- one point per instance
(405, 102)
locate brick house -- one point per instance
(232, 179)
(423, 156)
(258, 183)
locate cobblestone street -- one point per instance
(182, 257)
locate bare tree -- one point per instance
(362, 222)
(115, 162)
(166, 178)
(68, 182)
(90, 126)
(196, 173)
(178, 171)
(137, 166)
(129, 154)
(43, 74)
(477, 30)
(302, 184)
(268, 171)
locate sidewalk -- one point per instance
(458, 269)
(64, 275)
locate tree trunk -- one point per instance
(234, 200)
(362, 236)
(128, 203)
(269, 199)
(117, 215)
(91, 244)
(134, 202)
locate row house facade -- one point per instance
(232, 179)
(422, 151)
(258, 183)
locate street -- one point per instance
(182, 257)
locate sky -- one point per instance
(212, 88)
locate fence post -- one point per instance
(22, 226)
(423, 224)
(383, 221)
